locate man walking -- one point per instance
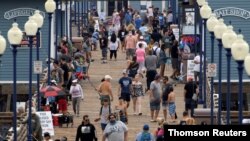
(125, 87)
(189, 92)
(150, 64)
(115, 130)
(86, 131)
(155, 97)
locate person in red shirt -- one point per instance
(62, 105)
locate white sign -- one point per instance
(232, 11)
(190, 69)
(20, 12)
(38, 67)
(46, 122)
(211, 70)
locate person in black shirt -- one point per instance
(174, 59)
(189, 91)
(104, 47)
(66, 74)
(121, 34)
(156, 36)
(86, 131)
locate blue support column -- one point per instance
(56, 27)
(61, 19)
(38, 75)
(70, 21)
(212, 79)
(30, 138)
(240, 93)
(205, 64)
(78, 18)
(14, 96)
(49, 46)
(66, 19)
(219, 77)
(229, 55)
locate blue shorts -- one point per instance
(103, 125)
(125, 96)
(155, 105)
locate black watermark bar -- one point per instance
(195, 132)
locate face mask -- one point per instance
(112, 121)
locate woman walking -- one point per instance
(140, 58)
(77, 95)
(113, 46)
(137, 94)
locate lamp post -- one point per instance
(219, 29)
(56, 22)
(228, 38)
(15, 36)
(30, 29)
(50, 7)
(211, 22)
(2, 45)
(240, 50)
(39, 21)
(205, 12)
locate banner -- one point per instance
(46, 122)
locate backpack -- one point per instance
(101, 110)
(145, 137)
(154, 51)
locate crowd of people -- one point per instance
(149, 45)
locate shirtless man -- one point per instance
(171, 103)
(105, 89)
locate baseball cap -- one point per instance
(107, 77)
(141, 37)
(145, 127)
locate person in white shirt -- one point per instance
(141, 41)
(197, 67)
(77, 95)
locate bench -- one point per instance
(234, 116)
(204, 115)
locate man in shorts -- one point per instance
(125, 87)
(155, 97)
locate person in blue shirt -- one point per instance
(138, 22)
(125, 87)
(161, 21)
(145, 135)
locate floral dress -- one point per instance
(137, 89)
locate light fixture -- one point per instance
(30, 27)
(2, 44)
(38, 18)
(201, 2)
(211, 22)
(205, 11)
(247, 64)
(228, 37)
(219, 29)
(15, 35)
(240, 48)
(50, 6)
